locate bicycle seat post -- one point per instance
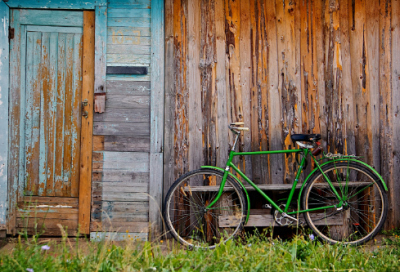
(236, 140)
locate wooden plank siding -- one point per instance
(282, 67)
(4, 81)
(122, 134)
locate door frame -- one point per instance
(92, 81)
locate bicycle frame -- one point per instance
(305, 151)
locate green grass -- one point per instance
(256, 253)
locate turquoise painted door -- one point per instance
(46, 85)
(52, 111)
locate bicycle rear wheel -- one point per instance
(186, 215)
(364, 209)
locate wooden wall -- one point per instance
(121, 144)
(282, 67)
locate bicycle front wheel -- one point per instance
(363, 211)
(188, 219)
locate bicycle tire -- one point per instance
(362, 215)
(190, 193)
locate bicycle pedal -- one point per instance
(266, 206)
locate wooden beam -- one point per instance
(85, 183)
(156, 116)
(4, 81)
(267, 220)
(49, 4)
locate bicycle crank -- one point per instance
(283, 219)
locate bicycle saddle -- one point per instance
(305, 137)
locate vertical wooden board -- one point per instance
(395, 104)
(53, 64)
(44, 115)
(69, 76)
(101, 49)
(320, 68)
(60, 97)
(245, 79)
(196, 112)
(263, 55)
(169, 100)
(180, 122)
(21, 180)
(348, 125)
(156, 115)
(234, 97)
(255, 108)
(220, 86)
(372, 73)
(14, 115)
(4, 85)
(85, 181)
(286, 66)
(359, 79)
(385, 115)
(76, 114)
(274, 97)
(30, 83)
(36, 97)
(203, 16)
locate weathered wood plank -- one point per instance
(132, 161)
(120, 176)
(128, 88)
(118, 13)
(169, 98)
(48, 4)
(222, 133)
(128, 49)
(121, 143)
(124, 115)
(129, 31)
(121, 129)
(195, 117)
(156, 116)
(245, 79)
(267, 220)
(100, 49)
(395, 101)
(127, 39)
(385, 106)
(51, 17)
(4, 85)
(118, 236)
(136, 22)
(78, 87)
(88, 77)
(129, 102)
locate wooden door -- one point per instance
(49, 54)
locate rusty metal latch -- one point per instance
(10, 33)
(84, 104)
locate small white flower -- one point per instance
(312, 237)
(45, 247)
(249, 245)
(29, 270)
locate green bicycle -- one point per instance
(343, 199)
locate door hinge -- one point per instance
(10, 33)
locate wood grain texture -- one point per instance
(88, 77)
(48, 4)
(284, 67)
(4, 84)
(100, 50)
(156, 118)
